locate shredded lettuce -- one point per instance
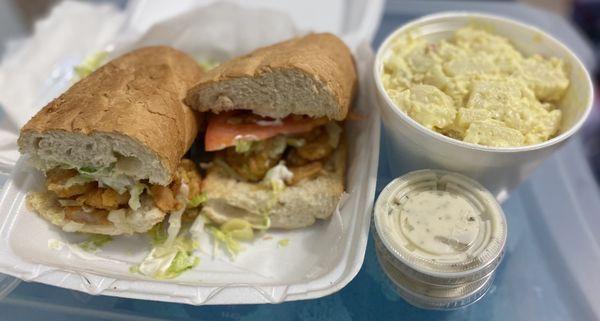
(274, 179)
(279, 144)
(238, 228)
(90, 64)
(283, 242)
(169, 260)
(197, 228)
(182, 261)
(78, 180)
(95, 242)
(197, 200)
(55, 244)
(232, 246)
(119, 182)
(158, 234)
(87, 170)
(334, 132)
(172, 253)
(230, 233)
(266, 224)
(175, 217)
(107, 176)
(134, 195)
(207, 64)
(243, 146)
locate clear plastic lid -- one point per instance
(440, 227)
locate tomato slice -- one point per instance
(225, 128)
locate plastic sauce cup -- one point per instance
(439, 237)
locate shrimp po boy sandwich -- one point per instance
(275, 126)
(111, 146)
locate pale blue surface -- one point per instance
(531, 284)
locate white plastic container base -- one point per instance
(265, 272)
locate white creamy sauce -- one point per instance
(438, 222)
(277, 176)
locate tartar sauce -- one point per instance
(438, 222)
(440, 236)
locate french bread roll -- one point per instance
(128, 113)
(312, 75)
(127, 116)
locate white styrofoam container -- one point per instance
(499, 169)
(264, 273)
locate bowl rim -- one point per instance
(378, 61)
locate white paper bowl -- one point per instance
(412, 146)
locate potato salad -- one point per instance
(476, 87)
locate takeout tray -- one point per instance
(264, 272)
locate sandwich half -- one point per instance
(111, 146)
(276, 131)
